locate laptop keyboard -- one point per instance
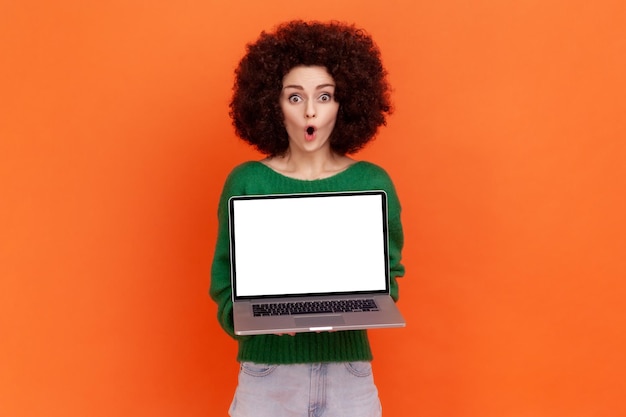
(314, 307)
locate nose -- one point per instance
(309, 113)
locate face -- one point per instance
(309, 108)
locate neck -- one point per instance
(309, 166)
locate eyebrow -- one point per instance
(299, 87)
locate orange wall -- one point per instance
(507, 147)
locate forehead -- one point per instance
(307, 76)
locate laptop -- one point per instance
(310, 262)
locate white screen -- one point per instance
(309, 245)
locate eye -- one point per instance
(325, 97)
(294, 98)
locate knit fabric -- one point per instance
(255, 178)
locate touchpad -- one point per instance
(319, 321)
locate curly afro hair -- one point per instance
(349, 55)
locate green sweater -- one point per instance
(342, 346)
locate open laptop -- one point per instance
(310, 262)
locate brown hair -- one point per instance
(349, 55)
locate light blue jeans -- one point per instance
(309, 390)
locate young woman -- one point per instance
(307, 96)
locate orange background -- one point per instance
(507, 148)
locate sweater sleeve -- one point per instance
(396, 243)
(220, 288)
(396, 239)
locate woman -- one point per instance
(307, 96)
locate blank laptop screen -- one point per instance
(308, 245)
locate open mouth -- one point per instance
(310, 133)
